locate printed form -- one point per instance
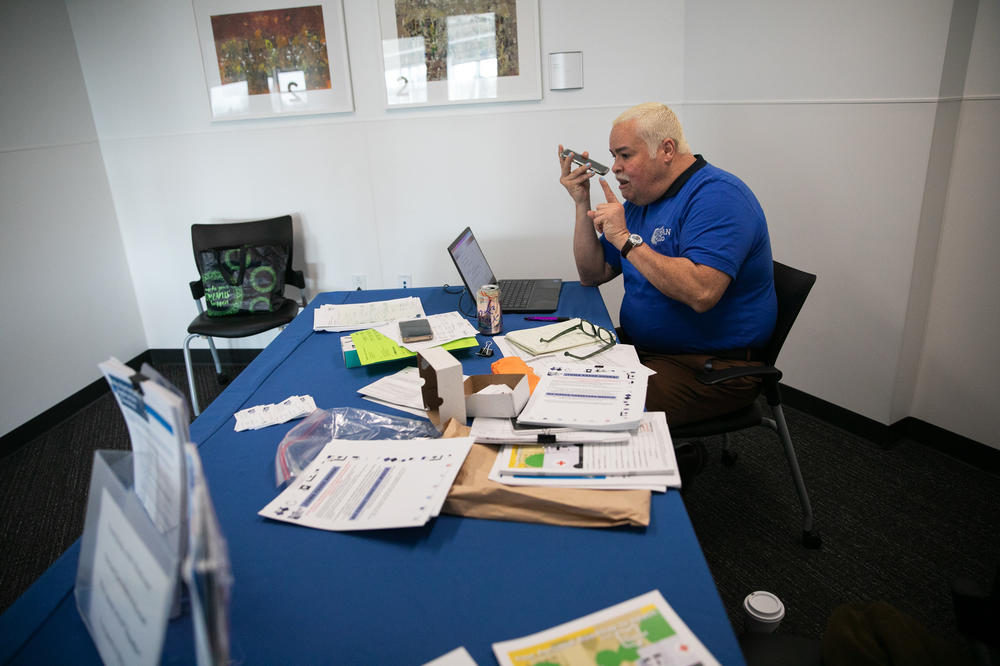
(370, 485)
(587, 397)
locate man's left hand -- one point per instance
(609, 218)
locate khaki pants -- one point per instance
(675, 390)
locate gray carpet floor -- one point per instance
(898, 525)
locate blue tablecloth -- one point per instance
(386, 597)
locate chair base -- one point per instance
(695, 432)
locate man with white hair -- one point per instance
(691, 241)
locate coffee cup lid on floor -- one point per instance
(764, 606)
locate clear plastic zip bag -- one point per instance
(307, 438)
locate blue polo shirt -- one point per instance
(710, 217)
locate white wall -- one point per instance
(69, 298)
(377, 192)
(831, 111)
(957, 386)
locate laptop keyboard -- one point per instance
(515, 293)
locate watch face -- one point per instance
(635, 239)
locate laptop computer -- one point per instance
(516, 296)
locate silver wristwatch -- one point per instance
(634, 240)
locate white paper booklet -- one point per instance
(587, 397)
(158, 429)
(530, 339)
(356, 316)
(646, 628)
(649, 451)
(619, 356)
(370, 485)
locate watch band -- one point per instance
(630, 243)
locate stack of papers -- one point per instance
(445, 327)
(646, 628)
(377, 345)
(261, 416)
(354, 316)
(646, 460)
(587, 397)
(487, 430)
(371, 485)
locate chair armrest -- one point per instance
(295, 278)
(711, 377)
(197, 289)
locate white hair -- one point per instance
(656, 122)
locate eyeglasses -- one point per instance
(599, 334)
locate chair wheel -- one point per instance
(811, 539)
(222, 378)
(729, 458)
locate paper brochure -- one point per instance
(643, 630)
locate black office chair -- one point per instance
(792, 287)
(276, 232)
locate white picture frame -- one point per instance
(459, 59)
(266, 58)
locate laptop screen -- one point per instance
(470, 261)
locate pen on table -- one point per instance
(546, 319)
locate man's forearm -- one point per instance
(588, 250)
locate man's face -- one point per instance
(642, 179)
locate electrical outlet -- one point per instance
(405, 281)
(359, 281)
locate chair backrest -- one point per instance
(275, 231)
(791, 286)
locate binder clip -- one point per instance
(486, 350)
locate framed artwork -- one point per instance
(267, 58)
(459, 51)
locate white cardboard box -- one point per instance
(499, 405)
(442, 389)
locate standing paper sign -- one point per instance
(127, 572)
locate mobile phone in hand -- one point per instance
(596, 167)
(415, 330)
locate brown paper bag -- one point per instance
(475, 496)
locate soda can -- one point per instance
(488, 309)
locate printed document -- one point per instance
(643, 630)
(130, 591)
(355, 316)
(646, 460)
(370, 485)
(400, 389)
(158, 429)
(446, 327)
(587, 397)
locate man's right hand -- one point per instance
(576, 181)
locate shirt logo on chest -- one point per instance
(659, 235)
